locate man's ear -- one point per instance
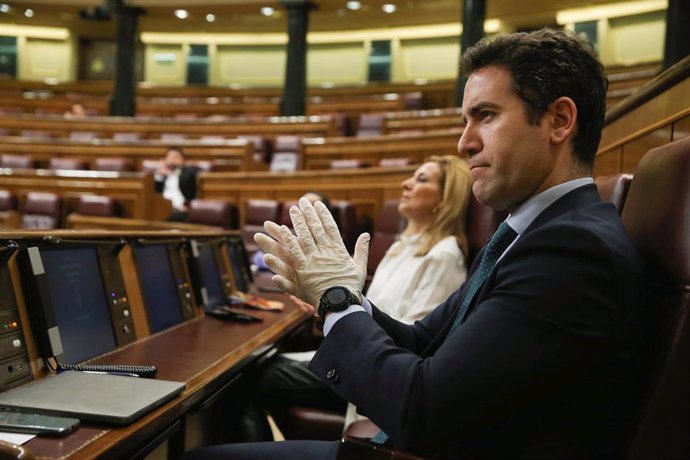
(564, 124)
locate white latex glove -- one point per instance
(315, 259)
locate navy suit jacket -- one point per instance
(548, 362)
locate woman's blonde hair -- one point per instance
(450, 219)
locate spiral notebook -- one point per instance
(101, 398)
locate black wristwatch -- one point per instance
(334, 299)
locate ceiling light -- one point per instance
(267, 11)
(353, 5)
(4, 8)
(210, 17)
(389, 8)
(29, 13)
(182, 14)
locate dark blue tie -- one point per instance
(492, 252)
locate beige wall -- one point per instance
(166, 64)
(637, 38)
(44, 53)
(431, 58)
(339, 63)
(260, 65)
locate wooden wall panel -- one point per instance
(681, 128)
(634, 150)
(608, 163)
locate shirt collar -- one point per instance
(530, 209)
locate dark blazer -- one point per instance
(188, 176)
(546, 365)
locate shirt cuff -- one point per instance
(367, 306)
(332, 318)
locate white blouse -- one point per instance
(408, 287)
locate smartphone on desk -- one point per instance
(19, 422)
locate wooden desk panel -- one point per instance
(232, 154)
(153, 127)
(319, 153)
(366, 188)
(423, 120)
(134, 192)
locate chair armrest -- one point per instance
(352, 448)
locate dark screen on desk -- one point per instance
(79, 301)
(158, 286)
(236, 262)
(210, 277)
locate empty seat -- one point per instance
(286, 143)
(173, 137)
(370, 124)
(218, 213)
(113, 164)
(262, 148)
(68, 163)
(286, 154)
(349, 164)
(8, 201)
(389, 224)
(150, 165)
(614, 188)
(36, 133)
(203, 165)
(83, 135)
(126, 137)
(97, 205)
(394, 162)
(17, 161)
(345, 215)
(414, 100)
(256, 213)
(42, 211)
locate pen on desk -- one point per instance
(123, 374)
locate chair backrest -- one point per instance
(83, 135)
(97, 205)
(482, 222)
(394, 162)
(657, 217)
(614, 188)
(345, 215)
(370, 124)
(114, 164)
(8, 201)
(285, 162)
(150, 165)
(389, 224)
(349, 164)
(17, 161)
(262, 147)
(68, 163)
(126, 137)
(219, 213)
(42, 210)
(256, 213)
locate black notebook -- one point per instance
(102, 398)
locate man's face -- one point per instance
(174, 159)
(510, 160)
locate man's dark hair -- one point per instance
(176, 148)
(545, 65)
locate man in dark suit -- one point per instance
(177, 182)
(540, 353)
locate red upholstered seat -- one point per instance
(113, 164)
(218, 213)
(68, 163)
(97, 205)
(256, 213)
(389, 224)
(17, 161)
(8, 201)
(370, 124)
(42, 210)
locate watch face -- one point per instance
(337, 296)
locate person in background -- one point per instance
(177, 182)
(544, 351)
(418, 272)
(76, 110)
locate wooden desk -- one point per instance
(134, 192)
(204, 353)
(228, 155)
(318, 153)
